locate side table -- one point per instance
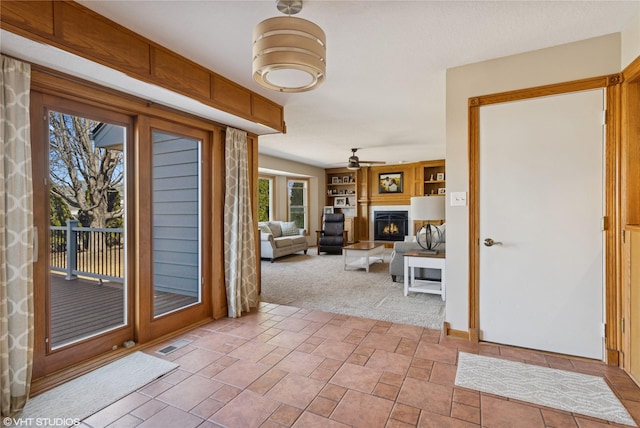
(420, 259)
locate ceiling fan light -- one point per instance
(353, 165)
(289, 54)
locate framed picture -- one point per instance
(442, 191)
(335, 180)
(328, 210)
(340, 202)
(346, 179)
(390, 182)
(440, 176)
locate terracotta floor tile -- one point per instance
(219, 342)
(267, 381)
(242, 373)
(155, 388)
(197, 359)
(356, 377)
(364, 350)
(335, 350)
(356, 359)
(284, 311)
(522, 355)
(435, 352)
(170, 417)
(127, 421)
(117, 410)
(434, 420)
(394, 423)
(322, 374)
(362, 410)
(292, 324)
(311, 420)
(319, 316)
(306, 348)
(176, 376)
(408, 331)
(419, 373)
(404, 413)
(248, 409)
(489, 349)
(392, 379)
(322, 406)
(333, 392)
(504, 413)
(426, 396)
(148, 409)
(252, 351)
(590, 423)
(248, 330)
(465, 412)
(207, 408)
(288, 339)
(389, 361)
(360, 324)
(633, 407)
(553, 419)
(466, 396)
(190, 392)
(226, 393)
(300, 363)
(295, 390)
(333, 332)
(383, 390)
(444, 374)
(312, 327)
(385, 342)
(285, 415)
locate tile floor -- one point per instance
(281, 366)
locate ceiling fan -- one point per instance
(354, 161)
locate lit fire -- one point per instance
(391, 229)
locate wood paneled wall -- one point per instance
(74, 28)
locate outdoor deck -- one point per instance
(83, 307)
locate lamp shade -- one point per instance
(427, 208)
(289, 54)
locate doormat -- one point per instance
(79, 398)
(573, 392)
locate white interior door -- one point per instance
(541, 201)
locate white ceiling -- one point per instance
(386, 61)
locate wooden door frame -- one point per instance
(612, 190)
(630, 195)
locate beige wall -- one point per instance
(317, 188)
(588, 58)
(631, 41)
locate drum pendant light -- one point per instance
(289, 53)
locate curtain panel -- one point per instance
(241, 279)
(16, 237)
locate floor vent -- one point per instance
(175, 345)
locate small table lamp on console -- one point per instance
(428, 208)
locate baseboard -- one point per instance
(448, 331)
(613, 357)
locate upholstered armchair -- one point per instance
(333, 236)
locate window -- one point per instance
(297, 202)
(265, 198)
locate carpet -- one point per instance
(79, 398)
(321, 283)
(573, 392)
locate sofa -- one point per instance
(281, 238)
(396, 266)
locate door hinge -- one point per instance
(623, 324)
(604, 117)
(604, 330)
(624, 237)
(605, 223)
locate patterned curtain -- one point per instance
(240, 260)
(16, 237)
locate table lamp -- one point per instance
(428, 208)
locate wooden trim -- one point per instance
(74, 28)
(448, 331)
(611, 189)
(219, 293)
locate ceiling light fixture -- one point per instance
(289, 54)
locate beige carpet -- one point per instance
(321, 283)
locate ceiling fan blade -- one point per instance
(365, 161)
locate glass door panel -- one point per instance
(176, 220)
(87, 290)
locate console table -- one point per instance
(420, 259)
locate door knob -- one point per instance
(490, 242)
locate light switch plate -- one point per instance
(458, 199)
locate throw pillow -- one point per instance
(264, 228)
(289, 228)
(275, 229)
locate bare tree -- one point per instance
(82, 174)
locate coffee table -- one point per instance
(363, 252)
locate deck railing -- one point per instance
(87, 251)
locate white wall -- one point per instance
(317, 189)
(584, 59)
(631, 41)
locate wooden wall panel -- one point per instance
(267, 112)
(235, 96)
(179, 73)
(95, 37)
(36, 16)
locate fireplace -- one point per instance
(390, 225)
